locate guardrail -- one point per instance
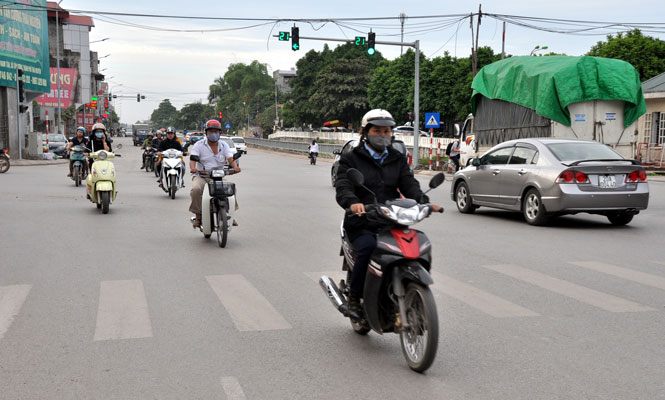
(293, 146)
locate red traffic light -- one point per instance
(220, 115)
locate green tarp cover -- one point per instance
(548, 84)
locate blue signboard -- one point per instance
(227, 125)
(433, 120)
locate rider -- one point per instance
(98, 140)
(313, 149)
(159, 138)
(146, 143)
(171, 142)
(79, 139)
(212, 153)
(386, 172)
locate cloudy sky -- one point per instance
(181, 65)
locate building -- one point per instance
(283, 79)
(651, 126)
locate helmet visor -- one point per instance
(381, 121)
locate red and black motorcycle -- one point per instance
(4, 160)
(396, 295)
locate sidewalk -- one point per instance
(22, 163)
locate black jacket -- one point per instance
(170, 144)
(98, 144)
(387, 180)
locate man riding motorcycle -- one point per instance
(159, 138)
(146, 143)
(212, 153)
(171, 142)
(79, 139)
(386, 172)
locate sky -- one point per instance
(181, 66)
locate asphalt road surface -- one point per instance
(137, 305)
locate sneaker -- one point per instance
(69, 174)
(142, 166)
(355, 309)
(235, 223)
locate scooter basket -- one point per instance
(221, 188)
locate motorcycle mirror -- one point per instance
(356, 177)
(237, 155)
(436, 180)
(119, 146)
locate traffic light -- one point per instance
(106, 102)
(21, 91)
(220, 115)
(371, 43)
(295, 38)
(138, 97)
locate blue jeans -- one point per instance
(364, 246)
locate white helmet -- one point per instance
(377, 117)
(98, 125)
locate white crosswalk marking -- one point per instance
(123, 311)
(476, 298)
(624, 273)
(11, 300)
(249, 310)
(585, 295)
(232, 388)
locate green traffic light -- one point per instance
(295, 46)
(371, 51)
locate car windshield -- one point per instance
(229, 142)
(238, 140)
(576, 151)
(56, 137)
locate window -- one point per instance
(524, 155)
(648, 127)
(661, 129)
(497, 157)
(349, 146)
(574, 151)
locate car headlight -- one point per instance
(217, 173)
(102, 155)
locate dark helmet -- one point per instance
(213, 124)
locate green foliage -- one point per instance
(645, 53)
(192, 115)
(266, 120)
(164, 115)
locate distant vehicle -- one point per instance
(550, 177)
(240, 143)
(350, 145)
(140, 133)
(56, 143)
(407, 130)
(194, 137)
(229, 142)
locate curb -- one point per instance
(27, 163)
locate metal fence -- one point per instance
(293, 146)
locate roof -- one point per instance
(548, 85)
(79, 20)
(52, 6)
(66, 17)
(655, 84)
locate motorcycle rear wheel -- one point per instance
(172, 186)
(222, 227)
(155, 169)
(77, 176)
(106, 200)
(4, 165)
(420, 341)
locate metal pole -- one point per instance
(18, 118)
(503, 42)
(416, 104)
(402, 18)
(57, 56)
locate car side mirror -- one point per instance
(337, 152)
(356, 177)
(457, 129)
(194, 158)
(475, 162)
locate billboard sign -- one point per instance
(89, 120)
(24, 44)
(68, 77)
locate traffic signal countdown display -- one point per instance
(284, 36)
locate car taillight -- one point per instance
(572, 176)
(636, 176)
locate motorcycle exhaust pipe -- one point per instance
(333, 293)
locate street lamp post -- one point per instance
(57, 56)
(537, 48)
(101, 40)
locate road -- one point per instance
(136, 304)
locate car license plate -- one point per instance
(607, 181)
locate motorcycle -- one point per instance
(173, 171)
(312, 158)
(148, 163)
(396, 295)
(101, 181)
(218, 202)
(4, 160)
(79, 163)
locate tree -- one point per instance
(164, 115)
(266, 120)
(645, 53)
(192, 115)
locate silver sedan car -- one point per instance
(549, 177)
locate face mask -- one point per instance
(213, 137)
(99, 135)
(379, 142)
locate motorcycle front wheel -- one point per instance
(222, 227)
(77, 176)
(172, 186)
(4, 165)
(420, 340)
(106, 200)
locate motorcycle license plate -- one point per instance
(607, 181)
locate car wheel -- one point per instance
(620, 218)
(533, 209)
(463, 199)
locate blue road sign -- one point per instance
(433, 120)
(227, 125)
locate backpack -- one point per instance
(449, 147)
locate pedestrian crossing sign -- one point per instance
(433, 120)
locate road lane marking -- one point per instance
(659, 262)
(232, 388)
(11, 300)
(123, 311)
(478, 299)
(624, 273)
(249, 310)
(580, 293)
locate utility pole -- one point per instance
(503, 42)
(475, 48)
(57, 56)
(402, 18)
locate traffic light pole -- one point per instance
(416, 85)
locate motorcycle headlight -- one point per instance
(217, 173)
(408, 216)
(102, 155)
(171, 155)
